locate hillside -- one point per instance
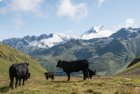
(10, 55)
(133, 68)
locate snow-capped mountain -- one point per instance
(37, 42)
(29, 44)
(126, 33)
(53, 39)
(96, 32)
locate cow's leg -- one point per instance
(68, 76)
(16, 82)
(47, 77)
(90, 76)
(19, 82)
(52, 77)
(11, 82)
(84, 77)
(23, 81)
(85, 74)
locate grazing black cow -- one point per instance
(19, 71)
(74, 66)
(49, 75)
(91, 73)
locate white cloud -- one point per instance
(68, 9)
(100, 2)
(22, 6)
(129, 22)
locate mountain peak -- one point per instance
(95, 29)
(126, 33)
(92, 30)
(96, 32)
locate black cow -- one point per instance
(19, 71)
(49, 75)
(74, 66)
(91, 73)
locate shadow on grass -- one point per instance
(4, 89)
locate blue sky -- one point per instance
(19, 18)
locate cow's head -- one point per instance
(45, 73)
(28, 76)
(59, 64)
(93, 73)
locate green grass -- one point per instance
(133, 70)
(38, 85)
(97, 85)
(10, 55)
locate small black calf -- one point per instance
(49, 75)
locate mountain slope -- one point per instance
(133, 68)
(10, 55)
(126, 33)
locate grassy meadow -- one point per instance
(97, 85)
(128, 82)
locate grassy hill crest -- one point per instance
(10, 56)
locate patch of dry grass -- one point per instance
(97, 85)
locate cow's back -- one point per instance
(18, 69)
(22, 69)
(75, 65)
